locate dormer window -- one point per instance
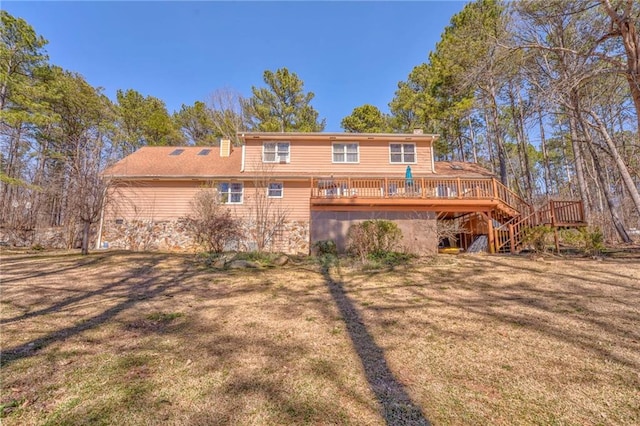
(345, 152)
(275, 152)
(402, 153)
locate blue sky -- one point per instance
(347, 53)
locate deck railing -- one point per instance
(555, 213)
(423, 187)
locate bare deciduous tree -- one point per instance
(226, 107)
(267, 215)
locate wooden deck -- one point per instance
(424, 193)
(506, 214)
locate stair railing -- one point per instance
(512, 231)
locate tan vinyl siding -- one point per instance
(295, 200)
(155, 200)
(315, 158)
(167, 200)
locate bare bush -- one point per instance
(212, 224)
(267, 215)
(449, 230)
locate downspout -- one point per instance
(242, 164)
(101, 222)
(433, 161)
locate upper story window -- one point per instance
(275, 152)
(231, 192)
(275, 189)
(402, 153)
(346, 152)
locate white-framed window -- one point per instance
(345, 152)
(275, 190)
(231, 192)
(275, 152)
(402, 153)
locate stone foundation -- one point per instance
(144, 235)
(174, 235)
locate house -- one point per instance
(314, 186)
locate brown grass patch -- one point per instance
(137, 338)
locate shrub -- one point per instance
(593, 240)
(212, 224)
(537, 237)
(325, 247)
(588, 240)
(389, 258)
(373, 237)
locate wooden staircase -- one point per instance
(509, 236)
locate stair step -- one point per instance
(479, 245)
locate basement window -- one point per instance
(177, 152)
(204, 152)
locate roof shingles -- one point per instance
(157, 162)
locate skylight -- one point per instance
(177, 151)
(204, 152)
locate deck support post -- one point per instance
(512, 239)
(556, 239)
(491, 236)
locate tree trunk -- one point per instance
(622, 167)
(497, 134)
(626, 24)
(579, 166)
(472, 137)
(5, 84)
(86, 227)
(523, 154)
(589, 143)
(617, 223)
(545, 157)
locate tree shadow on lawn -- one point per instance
(132, 380)
(559, 304)
(397, 406)
(141, 283)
